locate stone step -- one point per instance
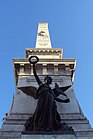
(88, 133)
(20, 128)
(14, 128)
(10, 135)
(80, 127)
(23, 121)
(18, 116)
(68, 136)
(15, 122)
(26, 116)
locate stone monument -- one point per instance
(23, 106)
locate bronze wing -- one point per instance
(63, 89)
(29, 90)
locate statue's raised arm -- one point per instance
(33, 60)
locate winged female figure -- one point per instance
(46, 116)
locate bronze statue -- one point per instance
(46, 116)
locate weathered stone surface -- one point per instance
(10, 135)
(12, 127)
(86, 137)
(85, 134)
(18, 116)
(69, 118)
(69, 136)
(24, 103)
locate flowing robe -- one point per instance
(45, 117)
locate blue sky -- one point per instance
(71, 28)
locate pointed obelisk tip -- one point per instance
(43, 37)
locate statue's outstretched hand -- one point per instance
(59, 90)
(56, 85)
(67, 100)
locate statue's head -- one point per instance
(48, 79)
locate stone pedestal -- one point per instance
(48, 137)
(63, 135)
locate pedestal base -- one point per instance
(48, 135)
(69, 136)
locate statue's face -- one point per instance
(48, 80)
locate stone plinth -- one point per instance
(48, 135)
